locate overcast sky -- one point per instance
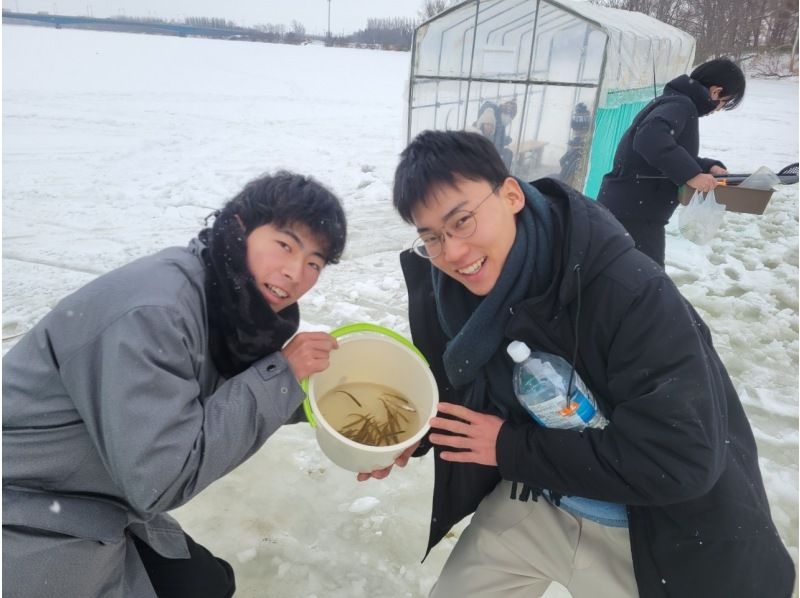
(346, 15)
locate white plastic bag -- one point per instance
(700, 220)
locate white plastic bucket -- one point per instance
(370, 353)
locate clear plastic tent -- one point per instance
(554, 83)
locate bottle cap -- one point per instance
(518, 351)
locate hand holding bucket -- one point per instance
(373, 355)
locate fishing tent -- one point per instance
(554, 83)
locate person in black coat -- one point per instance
(498, 259)
(658, 153)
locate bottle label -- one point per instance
(585, 408)
(554, 414)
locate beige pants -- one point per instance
(515, 549)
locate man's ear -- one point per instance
(511, 193)
(715, 91)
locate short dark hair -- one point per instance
(725, 73)
(287, 198)
(435, 158)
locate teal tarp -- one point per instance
(609, 126)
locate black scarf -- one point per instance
(243, 327)
(475, 354)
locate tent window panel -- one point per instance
(593, 57)
(444, 46)
(437, 105)
(555, 135)
(503, 39)
(495, 111)
(566, 48)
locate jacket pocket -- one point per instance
(77, 516)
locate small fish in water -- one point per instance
(384, 416)
(352, 397)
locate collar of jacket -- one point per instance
(586, 236)
(696, 92)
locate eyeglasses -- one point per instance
(461, 224)
(722, 102)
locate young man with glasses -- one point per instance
(658, 153)
(499, 259)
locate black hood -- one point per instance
(695, 91)
(592, 238)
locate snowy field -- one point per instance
(117, 145)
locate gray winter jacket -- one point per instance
(113, 414)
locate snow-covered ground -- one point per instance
(117, 145)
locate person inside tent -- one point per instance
(573, 162)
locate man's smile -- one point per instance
(472, 268)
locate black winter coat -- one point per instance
(679, 449)
(662, 141)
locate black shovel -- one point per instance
(787, 175)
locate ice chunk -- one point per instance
(246, 555)
(364, 504)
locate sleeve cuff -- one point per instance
(505, 450)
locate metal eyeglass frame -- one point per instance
(419, 247)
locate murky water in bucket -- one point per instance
(370, 414)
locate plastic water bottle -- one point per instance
(540, 383)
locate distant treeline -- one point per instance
(267, 32)
(390, 34)
(210, 22)
(393, 34)
(740, 29)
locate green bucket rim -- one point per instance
(349, 329)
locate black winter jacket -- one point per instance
(679, 449)
(662, 141)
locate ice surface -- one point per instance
(117, 145)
